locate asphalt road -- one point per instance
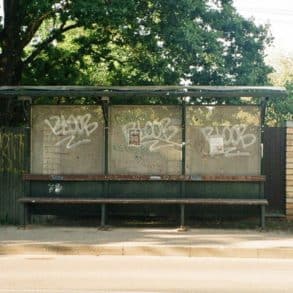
(87, 274)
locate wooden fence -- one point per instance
(13, 163)
(289, 170)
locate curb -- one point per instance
(143, 250)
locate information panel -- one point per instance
(223, 140)
(67, 140)
(145, 140)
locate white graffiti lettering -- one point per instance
(156, 134)
(76, 129)
(55, 188)
(229, 141)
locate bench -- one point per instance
(30, 201)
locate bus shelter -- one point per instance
(140, 143)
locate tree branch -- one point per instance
(46, 42)
(34, 27)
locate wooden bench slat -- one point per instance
(203, 201)
(97, 177)
(28, 202)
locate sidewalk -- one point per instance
(145, 241)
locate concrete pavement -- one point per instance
(145, 241)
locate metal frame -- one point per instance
(29, 202)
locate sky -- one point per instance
(279, 14)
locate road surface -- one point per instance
(87, 274)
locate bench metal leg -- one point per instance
(182, 218)
(26, 215)
(103, 215)
(23, 218)
(262, 216)
(182, 215)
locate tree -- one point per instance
(131, 42)
(280, 110)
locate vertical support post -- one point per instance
(263, 106)
(105, 107)
(283, 158)
(262, 189)
(262, 216)
(182, 216)
(26, 167)
(103, 215)
(183, 165)
(29, 142)
(28, 164)
(183, 123)
(183, 151)
(26, 214)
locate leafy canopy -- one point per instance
(280, 110)
(135, 42)
(129, 42)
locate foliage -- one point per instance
(280, 110)
(142, 42)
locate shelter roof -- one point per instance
(144, 91)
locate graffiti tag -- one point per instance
(55, 188)
(76, 129)
(156, 134)
(229, 141)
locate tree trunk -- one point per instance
(10, 74)
(11, 65)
